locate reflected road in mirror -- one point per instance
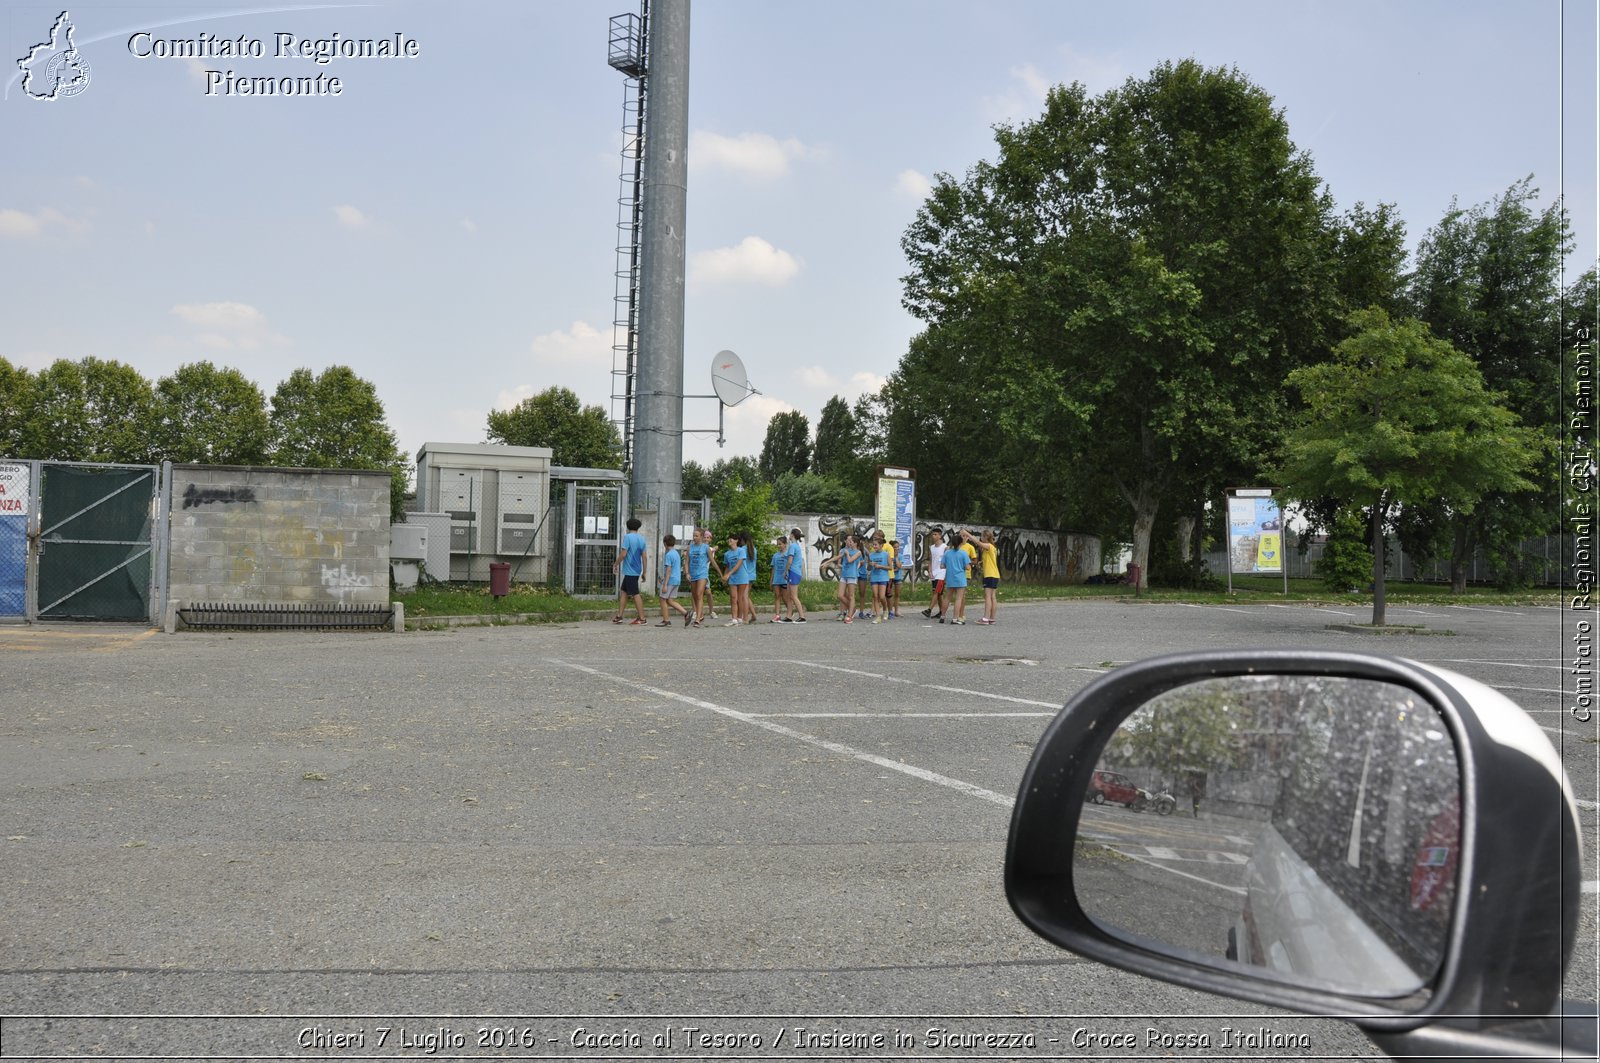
(1304, 824)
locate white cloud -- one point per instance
(581, 343)
(750, 154)
(913, 184)
(350, 217)
(227, 326)
(867, 383)
(32, 360)
(469, 225)
(224, 316)
(19, 224)
(753, 260)
(814, 376)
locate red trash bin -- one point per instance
(499, 578)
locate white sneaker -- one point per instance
(733, 623)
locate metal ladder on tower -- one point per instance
(628, 54)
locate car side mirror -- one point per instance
(1335, 833)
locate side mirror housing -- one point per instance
(1403, 846)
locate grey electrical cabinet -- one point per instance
(497, 498)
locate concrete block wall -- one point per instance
(255, 534)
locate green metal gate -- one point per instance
(96, 542)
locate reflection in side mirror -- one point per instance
(1314, 829)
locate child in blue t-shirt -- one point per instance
(699, 573)
(956, 562)
(630, 560)
(878, 568)
(849, 570)
(780, 580)
(671, 577)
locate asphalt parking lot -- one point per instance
(246, 845)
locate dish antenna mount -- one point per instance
(731, 384)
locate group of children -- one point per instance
(871, 566)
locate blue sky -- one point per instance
(446, 225)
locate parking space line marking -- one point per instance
(1218, 608)
(1591, 887)
(1484, 609)
(840, 748)
(1536, 690)
(895, 715)
(931, 686)
(1335, 612)
(996, 697)
(852, 671)
(1174, 871)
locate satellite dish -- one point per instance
(729, 380)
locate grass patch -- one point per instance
(541, 603)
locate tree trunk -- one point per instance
(1186, 544)
(1144, 522)
(1379, 511)
(1463, 544)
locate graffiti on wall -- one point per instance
(204, 496)
(829, 542)
(1023, 555)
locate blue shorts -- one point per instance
(794, 579)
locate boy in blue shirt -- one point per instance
(630, 559)
(671, 567)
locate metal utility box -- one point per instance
(498, 499)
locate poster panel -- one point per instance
(13, 539)
(1255, 535)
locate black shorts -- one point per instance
(630, 585)
(991, 582)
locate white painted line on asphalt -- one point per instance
(931, 686)
(1591, 887)
(1484, 609)
(1581, 803)
(1184, 874)
(1218, 608)
(896, 715)
(1335, 612)
(1160, 852)
(853, 671)
(1536, 690)
(1417, 612)
(787, 732)
(996, 697)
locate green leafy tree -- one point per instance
(1400, 418)
(838, 443)
(212, 416)
(741, 506)
(89, 410)
(1121, 294)
(578, 436)
(787, 447)
(1193, 730)
(1487, 281)
(15, 385)
(809, 493)
(1346, 561)
(332, 420)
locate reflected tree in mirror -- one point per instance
(1317, 835)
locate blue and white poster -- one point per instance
(13, 540)
(1255, 535)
